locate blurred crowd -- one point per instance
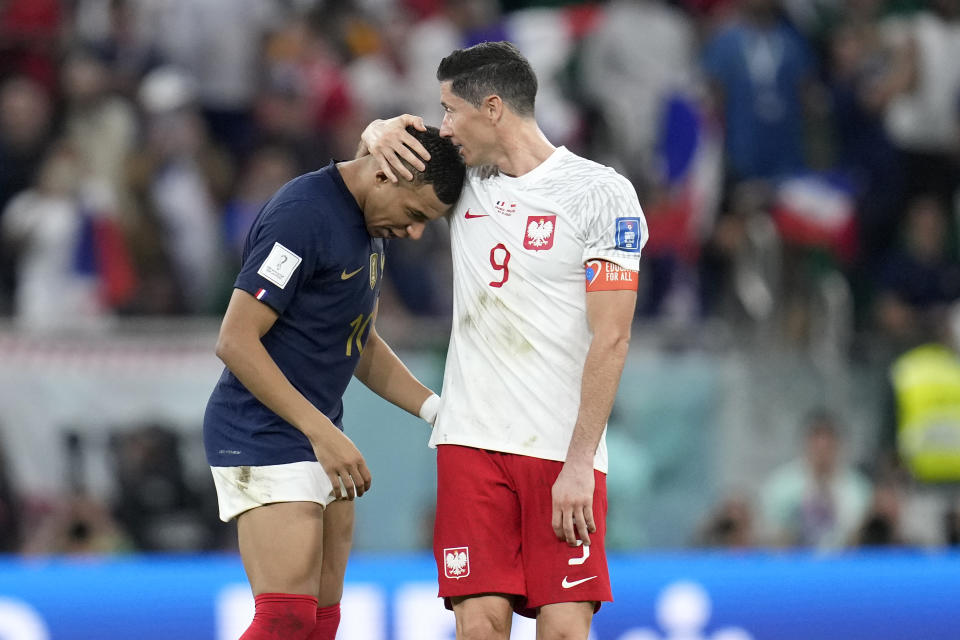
(822, 500)
(797, 159)
(798, 162)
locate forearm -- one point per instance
(249, 361)
(385, 374)
(602, 368)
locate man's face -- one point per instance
(466, 126)
(401, 210)
(823, 448)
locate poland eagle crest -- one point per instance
(456, 562)
(539, 232)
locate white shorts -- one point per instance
(240, 489)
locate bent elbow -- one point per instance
(225, 347)
(617, 342)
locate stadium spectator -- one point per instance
(918, 278)
(816, 500)
(641, 53)
(861, 88)
(728, 526)
(48, 231)
(101, 126)
(924, 81)
(25, 130)
(924, 417)
(883, 524)
(218, 44)
(118, 35)
(762, 75)
(182, 181)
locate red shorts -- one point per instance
(493, 532)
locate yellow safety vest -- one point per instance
(926, 381)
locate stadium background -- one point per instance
(800, 180)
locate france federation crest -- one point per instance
(629, 235)
(456, 562)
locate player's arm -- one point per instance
(384, 373)
(239, 345)
(610, 316)
(388, 142)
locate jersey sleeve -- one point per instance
(614, 226)
(284, 249)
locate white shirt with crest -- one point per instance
(520, 249)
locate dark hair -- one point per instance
(821, 421)
(491, 68)
(445, 169)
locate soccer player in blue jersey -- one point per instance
(300, 323)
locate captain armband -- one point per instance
(608, 276)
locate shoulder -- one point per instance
(306, 200)
(576, 179)
(304, 187)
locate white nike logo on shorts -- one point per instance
(566, 585)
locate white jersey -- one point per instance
(520, 335)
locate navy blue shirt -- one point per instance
(309, 257)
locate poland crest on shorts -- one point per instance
(456, 562)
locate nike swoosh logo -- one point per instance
(469, 215)
(566, 585)
(346, 276)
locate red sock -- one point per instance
(328, 620)
(282, 616)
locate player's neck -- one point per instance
(523, 148)
(353, 175)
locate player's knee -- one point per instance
(563, 628)
(482, 625)
(561, 633)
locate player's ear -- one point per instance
(493, 107)
(380, 178)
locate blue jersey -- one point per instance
(309, 257)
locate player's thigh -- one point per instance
(565, 621)
(281, 546)
(483, 617)
(337, 542)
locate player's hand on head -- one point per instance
(343, 463)
(388, 142)
(572, 495)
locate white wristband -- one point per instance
(429, 408)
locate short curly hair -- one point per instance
(445, 169)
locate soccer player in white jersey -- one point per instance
(546, 247)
